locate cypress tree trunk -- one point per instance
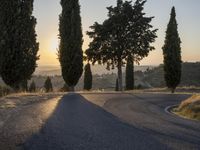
(172, 54)
(117, 85)
(129, 74)
(71, 89)
(70, 50)
(133, 75)
(119, 66)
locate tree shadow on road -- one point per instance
(77, 124)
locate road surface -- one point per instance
(126, 122)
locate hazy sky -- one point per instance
(188, 13)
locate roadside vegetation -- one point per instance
(189, 108)
(4, 90)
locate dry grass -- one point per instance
(190, 108)
(21, 99)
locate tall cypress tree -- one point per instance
(18, 46)
(70, 50)
(129, 74)
(88, 78)
(172, 54)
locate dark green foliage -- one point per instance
(18, 46)
(190, 75)
(117, 85)
(129, 74)
(65, 88)
(32, 87)
(70, 50)
(24, 85)
(4, 90)
(126, 32)
(88, 78)
(172, 54)
(48, 85)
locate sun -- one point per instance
(54, 43)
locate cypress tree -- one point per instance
(48, 85)
(172, 54)
(65, 88)
(88, 78)
(70, 50)
(32, 87)
(129, 74)
(18, 46)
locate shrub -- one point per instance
(48, 85)
(32, 87)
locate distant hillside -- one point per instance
(51, 70)
(145, 77)
(190, 75)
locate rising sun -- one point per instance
(54, 43)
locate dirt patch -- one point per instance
(22, 99)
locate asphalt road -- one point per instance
(126, 122)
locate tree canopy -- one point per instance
(126, 32)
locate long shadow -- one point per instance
(77, 124)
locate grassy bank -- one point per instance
(189, 108)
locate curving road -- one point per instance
(105, 122)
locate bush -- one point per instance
(48, 85)
(32, 87)
(5, 91)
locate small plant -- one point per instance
(4, 91)
(32, 87)
(48, 85)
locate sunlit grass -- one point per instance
(189, 108)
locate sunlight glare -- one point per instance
(54, 42)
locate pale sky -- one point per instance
(188, 13)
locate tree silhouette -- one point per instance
(88, 78)
(172, 54)
(18, 46)
(70, 50)
(126, 32)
